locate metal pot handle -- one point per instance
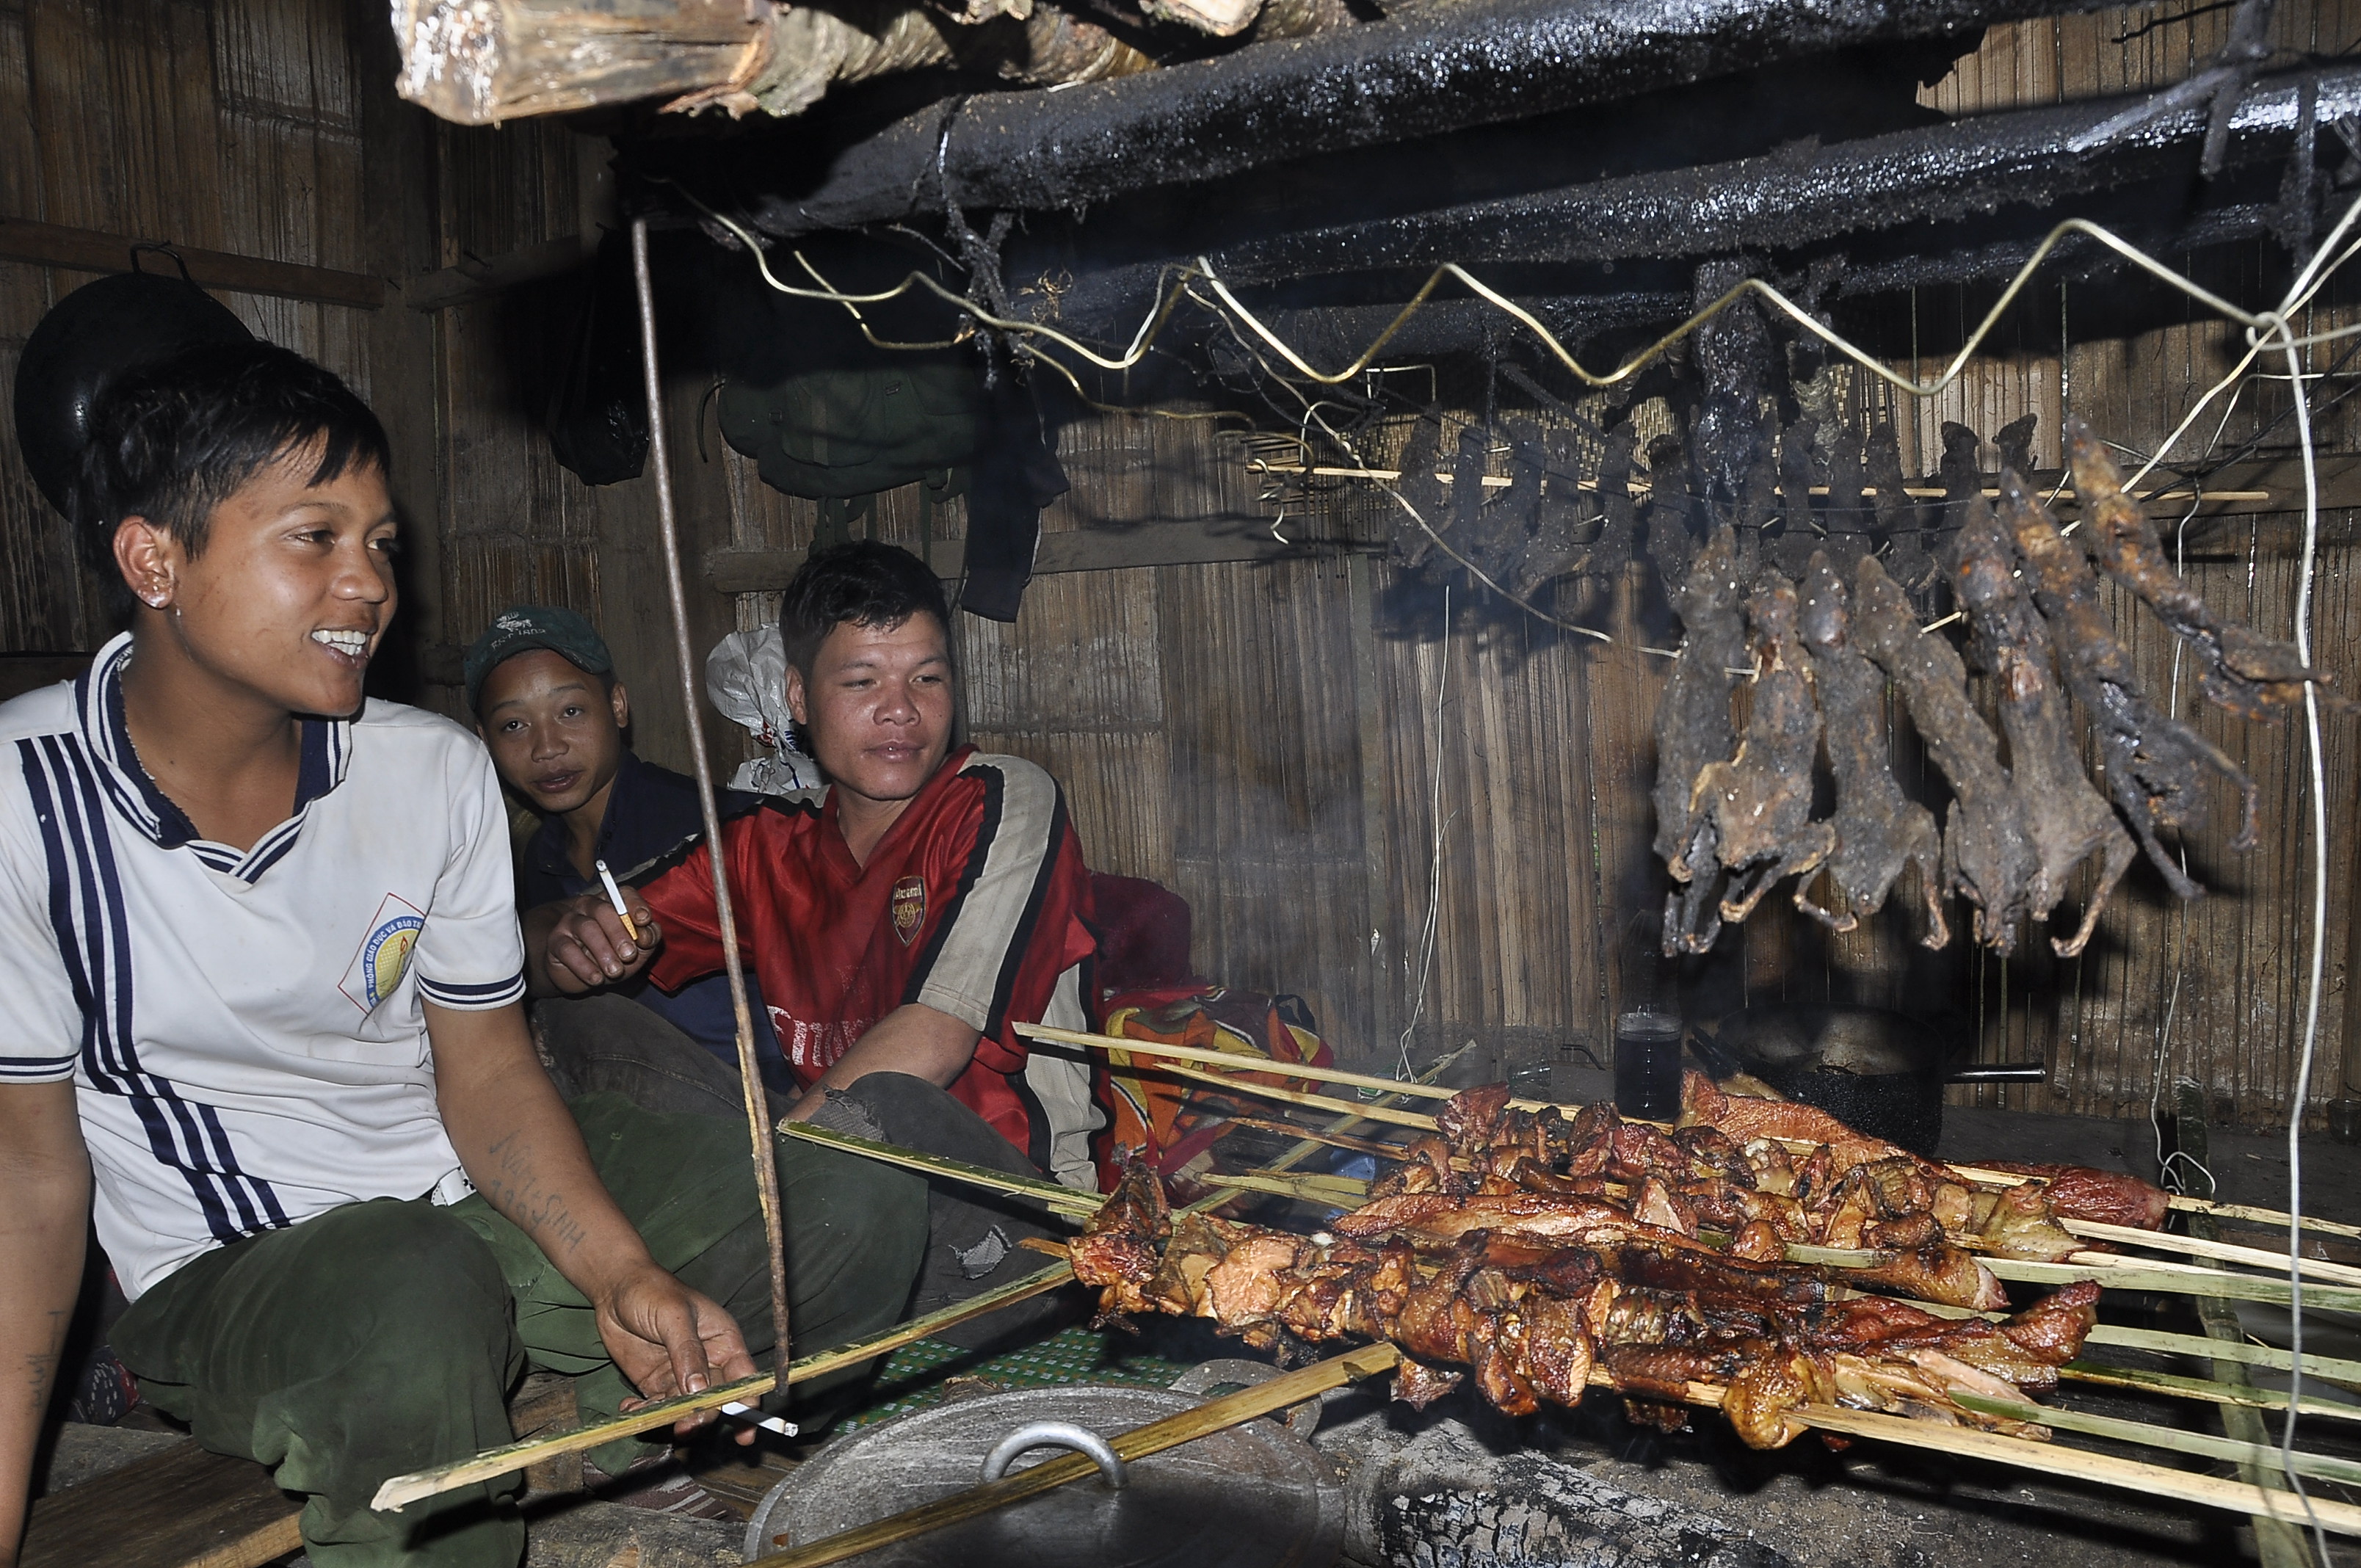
(1055, 1434)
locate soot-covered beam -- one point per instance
(1948, 203)
(1431, 68)
(1966, 171)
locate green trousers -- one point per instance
(383, 1337)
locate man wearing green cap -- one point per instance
(542, 684)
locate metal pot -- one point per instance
(1878, 1072)
(1249, 1497)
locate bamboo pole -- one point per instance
(2277, 1544)
(399, 1492)
(2187, 1280)
(1065, 1201)
(2199, 1445)
(1296, 1096)
(1215, 1415)
(2081, 1465)
(2270, 1219)
(2202, 1246)
(2241, 1396)
(2328, 1369)
(1333, 1192)
(765, 1152)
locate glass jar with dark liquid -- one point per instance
(1648, 1066)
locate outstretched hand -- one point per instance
(669, 1340)
(583, 945)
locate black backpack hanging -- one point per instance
(598, 412)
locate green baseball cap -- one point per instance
(520, 628)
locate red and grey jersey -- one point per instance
(973, 905)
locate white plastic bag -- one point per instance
(746, 679)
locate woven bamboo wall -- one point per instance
(1280, 742)
(1301, 747)
(236, 126)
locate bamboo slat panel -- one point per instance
(230, 126)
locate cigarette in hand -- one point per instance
(616, 895)
(768, 1423)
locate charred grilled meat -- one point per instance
(1878, 828)
(1761, 800)
(2067, 820)
(1693, 730)
(2239, 668)
(2155, 764)
(1535, 1316)
(1987, 857)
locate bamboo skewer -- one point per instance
(2081, 1465)
(399, 1492)
(2270, 1219)
(1370, 1146)
(2202, 1445)
(1065, 1201)
(2227, 1252)
(2241, 1211)
(1296, 1096)
(2105, 1375)
(1215, 1415)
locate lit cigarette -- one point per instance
(616, 895)
(768, 1423)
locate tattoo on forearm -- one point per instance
(513, 1186)
(41, 1366)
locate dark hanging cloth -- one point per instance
(1015, 476)
(598, 410)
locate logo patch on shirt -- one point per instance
(377, 970)
(909, 908)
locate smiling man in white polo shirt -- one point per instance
(260, 975)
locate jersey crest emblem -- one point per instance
(909, 908)
(377, 970)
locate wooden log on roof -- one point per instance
(483, 61)
(478, 62)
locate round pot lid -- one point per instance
(88, 340)
(1249, 1497)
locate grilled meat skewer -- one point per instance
(1536, 1320)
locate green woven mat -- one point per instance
(914, 1375)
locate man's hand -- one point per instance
(670, 1341)
(523, 1152)
(578, 944)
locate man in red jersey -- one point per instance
(901, 919)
